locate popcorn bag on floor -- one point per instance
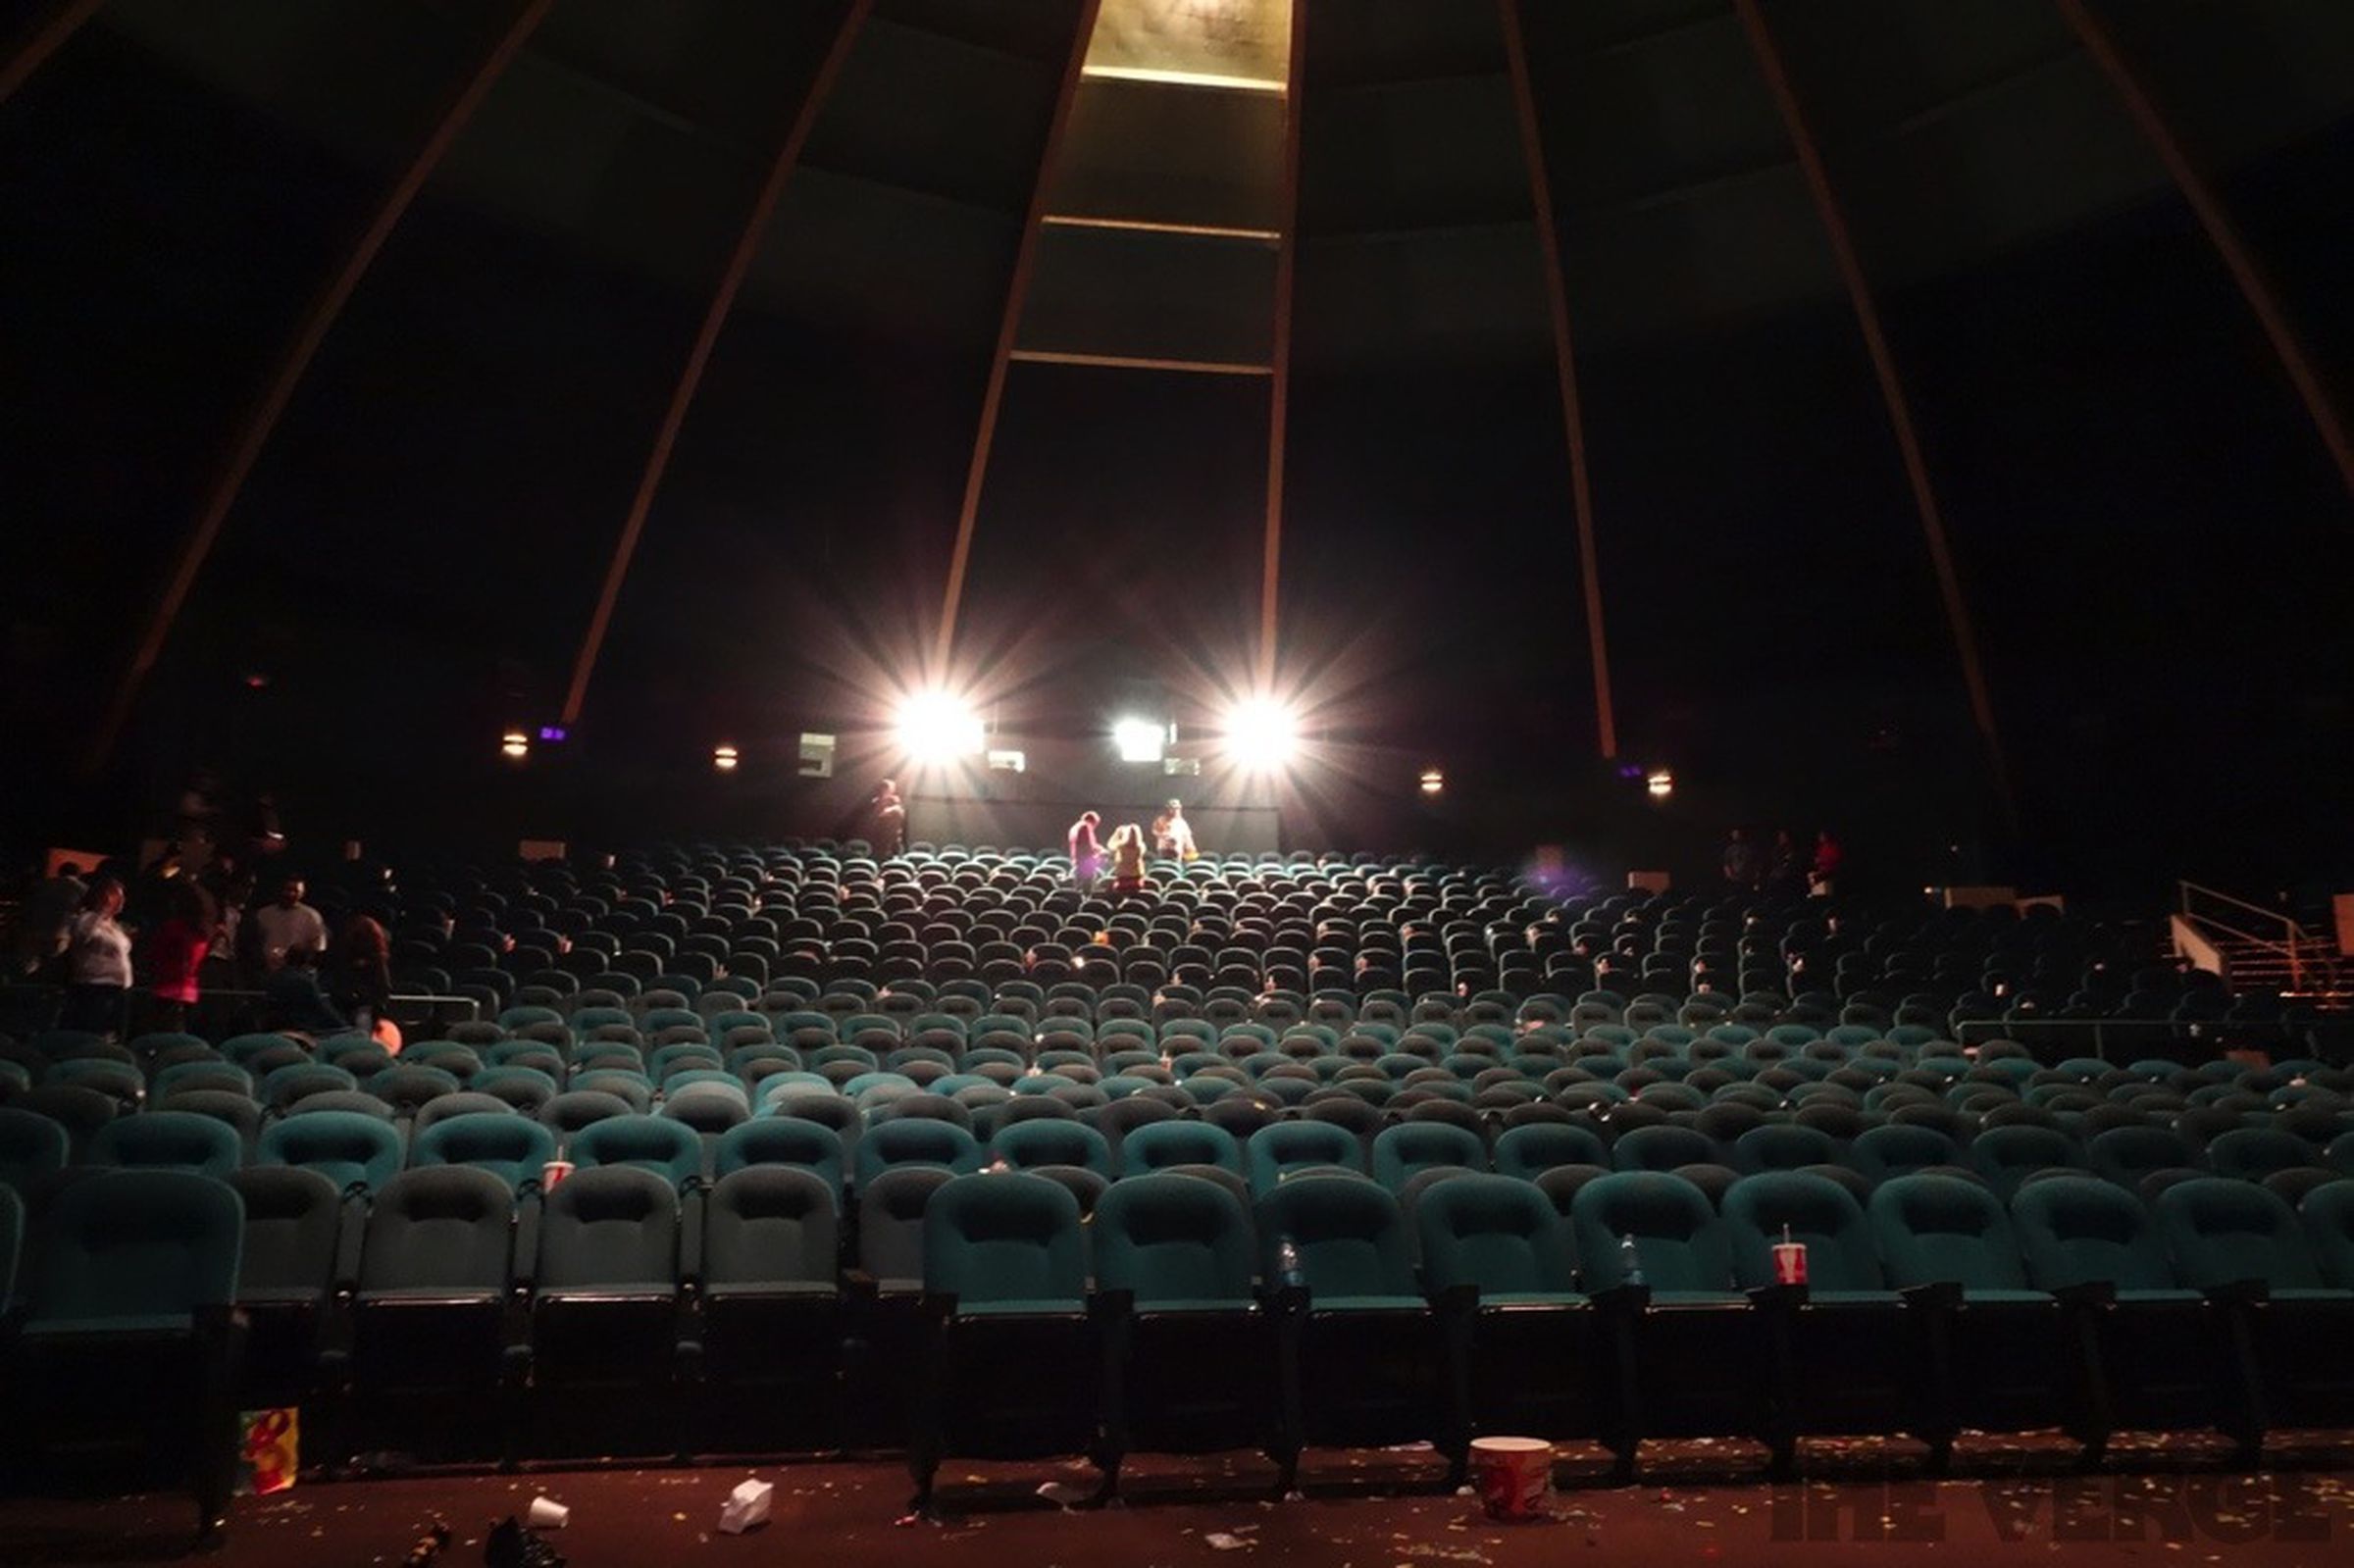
(268, 1452)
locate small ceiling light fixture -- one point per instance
(1660, 782)
(1434, 781)
(724, 758)
(515, 746)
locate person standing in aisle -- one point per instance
(1087, 851)
(888, 819)
(1172, 835)
(97, 962)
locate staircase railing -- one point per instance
(2277, 932)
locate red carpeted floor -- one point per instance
(2155, 1503)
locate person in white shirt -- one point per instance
(97, 962)
(1172, 835)
(288, 924)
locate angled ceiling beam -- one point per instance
(1557, 295)
(296, 361)
(1010, 323)
(2222, 233)
(1892, 390)
(33, 47)
(699, 357)
(1279, 398)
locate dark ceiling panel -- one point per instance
(849, 254)
(1674, 111)
(1447, 296)
(1171, 154)
(935, 114)
(1409, 156)
(736, 67)
(1036, 30)
(1152, 296)
(1400, 40)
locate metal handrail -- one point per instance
(2292, 949)
(2019, 1029)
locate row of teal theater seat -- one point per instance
(705, 1129)
(1518, 1318)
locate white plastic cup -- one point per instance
(548, 1514)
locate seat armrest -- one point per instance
(1938, 1295)
(1111, 1304)
(2087, 1293)
(690, 1252)
(350, 1243)
(1777, 1297)
(1622, 1297)
(1456, 1300)
(859, 1284)
(523, 1264)
(2251, 1290)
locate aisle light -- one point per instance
(515, 746)
(724, 758)
(1661, 784)
(1434, 781)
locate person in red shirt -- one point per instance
(175, 954)
(1821, 877)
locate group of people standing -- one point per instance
(127, 969)
(1125, 854)
(1781, 868)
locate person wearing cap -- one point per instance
(1172, 835)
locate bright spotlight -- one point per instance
(724, 758)
(1434, 781)
(515, 746)
(1660, 782)
(1261, 735)
(935, 727)
(1138, 739)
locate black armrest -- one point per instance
(1111, 1304)
(1623, 1297)
(350, 1242)
(1777, 1297)
(522, 1266)
(2087, 1293)
(938, 1306)
(2249, 1290)
(1456, 1300)
(1938, 1295)
(690, 1253)
(859, 1284)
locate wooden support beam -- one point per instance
(1557, 293)
(2222, 233)
(699, 357)
(33, 47)
(262, 421)
(1010, 323)
(1892, 389)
